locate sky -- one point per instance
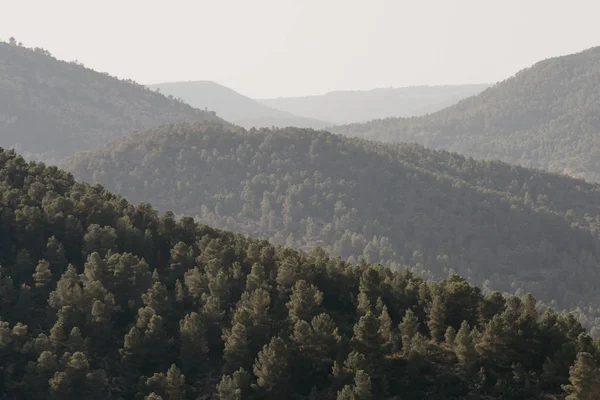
(281, 48)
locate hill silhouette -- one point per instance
(101, 299)
(500, 226)
(351, 106)
(233, 106)
(543, 117)
(50, 109)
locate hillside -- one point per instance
(102, 299)
(545, 117)
(504, 227)
(234, 107)
(346, 107)
(51, 109)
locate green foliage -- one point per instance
(505, 228)
(197, 312)
(584, 378)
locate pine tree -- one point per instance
(463, 345)
(257, 278)
(385, 328)
(450, 336)
(367, 339)
(362, 386)
(304, 302)
(271, 368)
(584, 379)
(193, 342)
(42, 276)
(361, 390)
(436, 318)
(408, 329)
(236, 353)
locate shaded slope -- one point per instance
(53, 108)
(344, 107)
(233, 106)
(545, 116)
(105, 300)
(503, 226)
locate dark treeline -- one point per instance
(101, 299)
(507, 228)
(50, 109)
(544, 117)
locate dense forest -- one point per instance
(234, 107)
(545, 117)
(502, 227)
(50, 109)
(351, 106)
(102, 299)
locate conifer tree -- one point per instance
(436, 318)
(271, 368)
(450, 336)
(43, 275)
(385, 328)
(367, 339)
(304, 302)
(464, 346)
(193, 342)
(408, 329)
(584, 379)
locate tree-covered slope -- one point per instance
(351, 106)
(51, 108)
(101, 299)
(234, 107)
(545, 117)
(506, 227)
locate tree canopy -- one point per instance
(103, 299)
(502, 227)
(543, 117)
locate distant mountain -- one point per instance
(51, 108)
(500, 226)
(233, 106)
(546, 116)
(345, 107)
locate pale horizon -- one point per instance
(286, 48)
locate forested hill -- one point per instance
(51, 108)
(545, 116)
(501, 226)
(234, 107)
(101, 299)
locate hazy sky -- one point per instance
(270, 48)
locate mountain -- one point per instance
(545, 117)
(345, 107)
(101, 299)
(51, 108)
(234, 107)
(504, 227)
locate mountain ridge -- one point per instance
(432, 210)
(51, 108)
(346, 106)
(544, 117)
(233, 106)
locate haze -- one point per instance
(271, 48)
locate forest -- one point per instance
(543, 117)
(49, 109)
(103, 299)
(501, 227)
